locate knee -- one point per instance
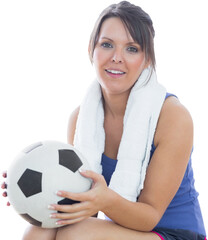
(68, 232)
(37, 233)
(84, 230)
(28, 233)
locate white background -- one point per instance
(45, 71)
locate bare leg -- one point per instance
(36, 233)
(98, 229)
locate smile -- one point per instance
(115, 72)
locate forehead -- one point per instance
(115, 29)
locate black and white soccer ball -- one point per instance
(38, 172)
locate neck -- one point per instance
(115, 105)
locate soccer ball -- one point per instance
(37, 173)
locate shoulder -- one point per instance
(175, 121)
(72, 125)
(174, 142)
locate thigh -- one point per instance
(99, 229)
(37, 233)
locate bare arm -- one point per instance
(174, 140)
(71, 130)
(72, 126)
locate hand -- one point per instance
(4, 186)
(91, 201)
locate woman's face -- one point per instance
(117, 59)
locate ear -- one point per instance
(90, 53)
(148, 62)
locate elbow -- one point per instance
(150, 222)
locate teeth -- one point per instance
(115, 72)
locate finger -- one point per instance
(4, 174)
(67, 216)
(68, 222)
(3, 185)
(4, 194)
(77, 207)
(81, 197)
(90, 174)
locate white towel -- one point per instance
(140, 120)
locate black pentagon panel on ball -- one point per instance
(30, 182)
(67, 201)
(31, 220)
(69, 159)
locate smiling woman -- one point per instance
(138, 140)
(140, 29)
(117, 59)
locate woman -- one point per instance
(166, 206)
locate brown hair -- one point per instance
(138, 23)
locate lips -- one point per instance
(115, 71)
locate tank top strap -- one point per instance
(170, 95)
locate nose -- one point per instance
(117, 56)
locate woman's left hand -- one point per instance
(91, 201)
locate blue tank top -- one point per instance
(184, 210)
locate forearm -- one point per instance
(133, 215)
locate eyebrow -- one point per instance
(113, 41)
(107, 38)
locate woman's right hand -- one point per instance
(4, 186)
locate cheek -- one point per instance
(98, 63)
(138, 64)
(98, 57)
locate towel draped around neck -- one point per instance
(140, 120)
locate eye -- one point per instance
(132, 49)
(106, 45)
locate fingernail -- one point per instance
(4, 174)
(59, 193)
(4, 194)
(51, 207)
(82, 170)
(58, 223)
(4, 185)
